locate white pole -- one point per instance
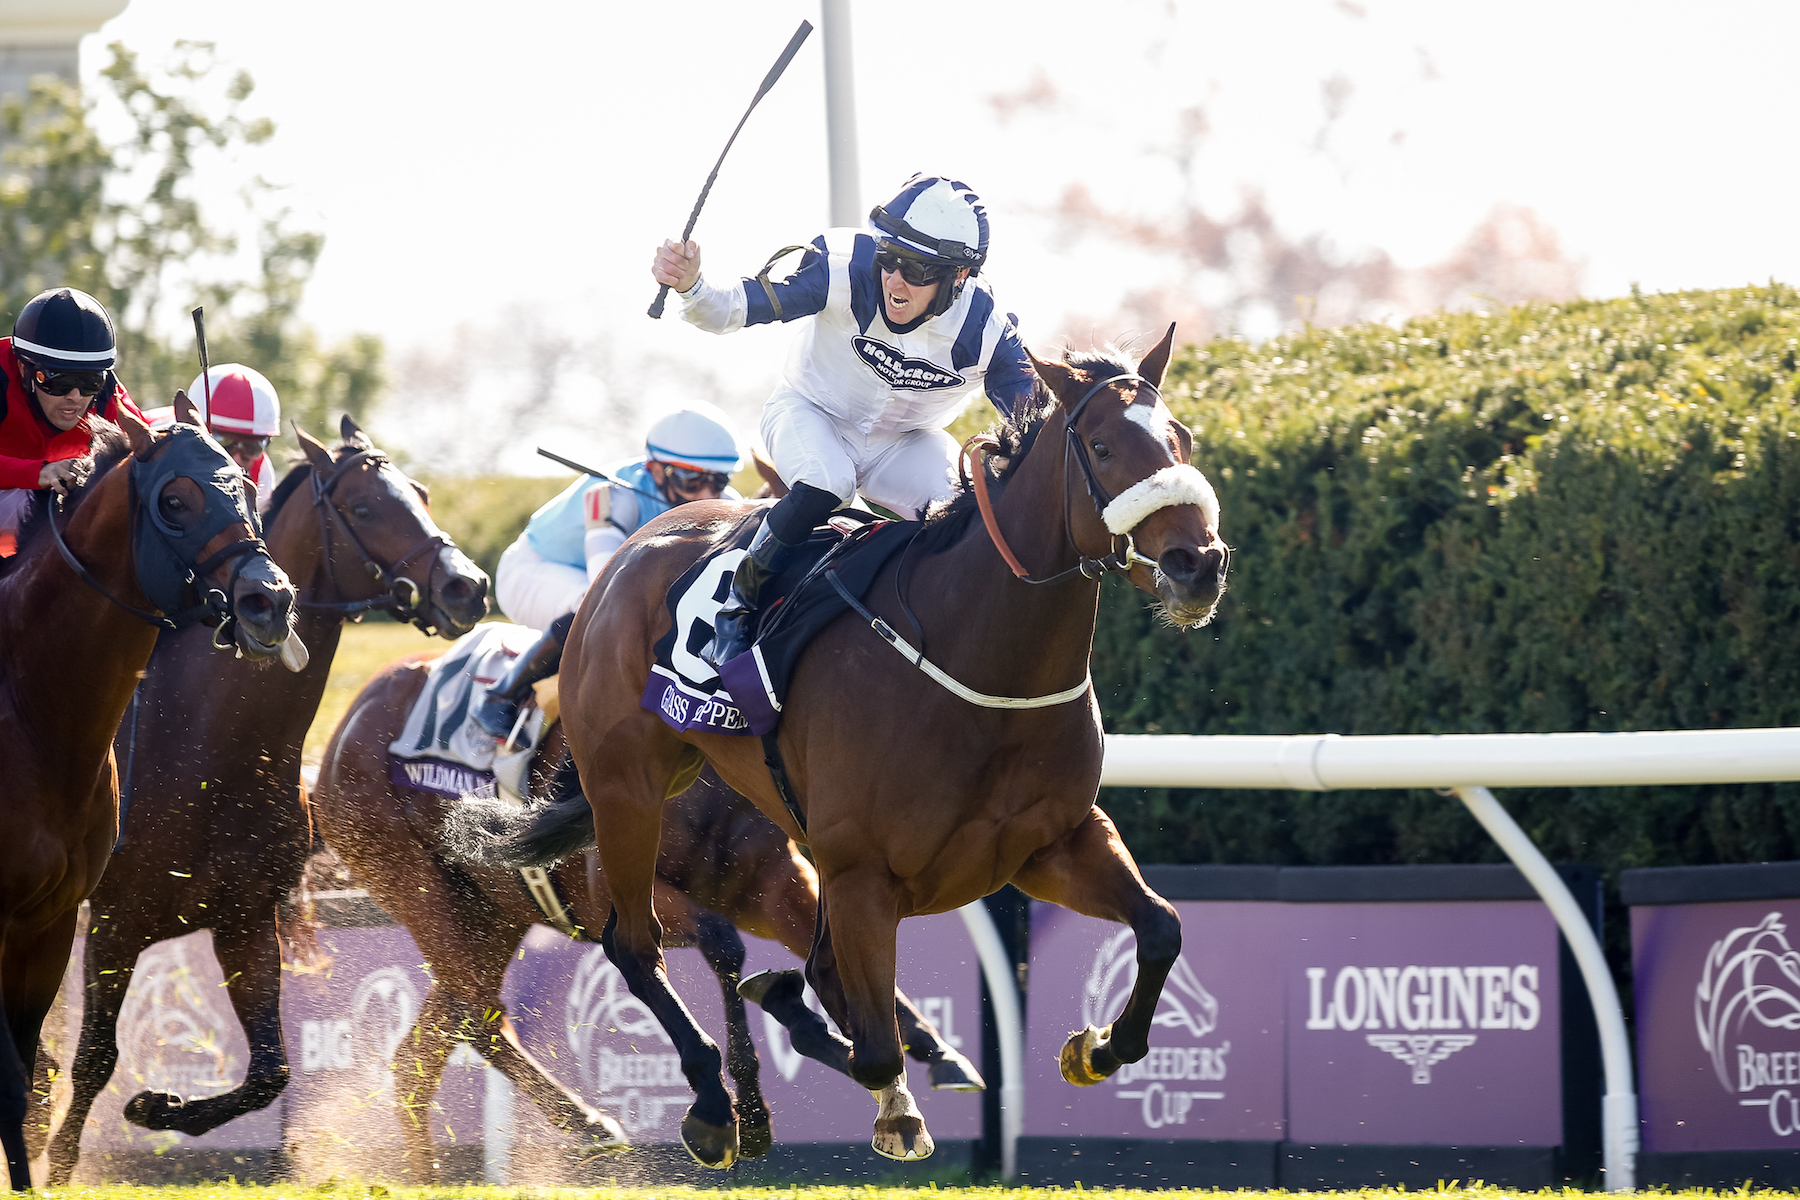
(1002, 986)
(1618, 1110)
(840, 114)
(496, 1128)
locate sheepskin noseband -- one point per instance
(1182, 484)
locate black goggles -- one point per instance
(61, 383)
(687, 479)
(245, 444)
(916, 272)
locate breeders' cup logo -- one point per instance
(382, 1011)
(645, 1082)
(1417, 998)
(171, 1030)
(897, 370)
(1185, 1005)
(1752, 972)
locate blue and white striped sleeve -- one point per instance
(1009, 374)
(800, 295)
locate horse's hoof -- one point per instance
(904, 1139)
(160, 1111)
(954, 1073)
(756, 988)
(755, 1135)
(1077, 1057)
(709, 1145)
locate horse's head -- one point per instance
(378, 545)
(1132, 453)
(196, 543)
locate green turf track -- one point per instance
(359, 1191)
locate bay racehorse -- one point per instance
(161, 534)
(912, 798)
(723, 867)
(216, 826)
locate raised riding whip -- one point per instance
(787, 56)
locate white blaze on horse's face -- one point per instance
(1154, 419)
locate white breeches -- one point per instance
(13, 502)
(534, 591)
(904, 472)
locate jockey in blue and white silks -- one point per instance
(896, 331)
(543, 575)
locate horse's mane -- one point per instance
(107, 450)
(947, 522)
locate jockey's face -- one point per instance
(65, 411)
(244, 449)
(705, 487)
(902, 301)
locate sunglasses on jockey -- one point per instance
(917, 272)
(690, 479)
(61, 383)
(247, 445)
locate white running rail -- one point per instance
(1470, 764)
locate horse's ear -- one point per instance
(185, 410)
(354, 434)
(315, 452)
(1157, 361)
(1056, 376)
(136, 432)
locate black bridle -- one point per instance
(177, 574)
(400, 594)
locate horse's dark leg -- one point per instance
(250, 958)
(852, 970)
(782, 994)
(627, 784)
(948, 1069)
(1090, 871)
(106, 975)
(718, 940)
(31, 972)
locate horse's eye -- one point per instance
(1100, 450)
(172, 504)
(360, 511)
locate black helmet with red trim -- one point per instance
(65, 330)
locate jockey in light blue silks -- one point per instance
(689, 455)
(896, 331)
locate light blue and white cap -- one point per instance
(696, 435)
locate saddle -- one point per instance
(441, 749)
(745, 696)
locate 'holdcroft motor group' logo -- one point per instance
(1753, 972)
(898, 371)
(1185, 1005)
(1417, 998)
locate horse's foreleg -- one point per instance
(106, 972)
(249, 957)
(852, 969)
(1090, 871)
(947, 1068)
(627, 786)
(718, 940)
(31, 972)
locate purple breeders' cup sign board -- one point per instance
(1718, 1025)
(1215, 1061)
(342, 1026)
(177, 1033)
(575, 1016)
(1423, 1024)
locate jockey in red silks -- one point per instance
(242, 414)
(57, 369)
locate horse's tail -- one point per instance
(494, 833)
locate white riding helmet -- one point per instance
(697, 435)
(937, 219)
(243, 401)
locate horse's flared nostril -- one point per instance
(1179, 565)
(256, 609)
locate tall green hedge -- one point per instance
(1581, 516)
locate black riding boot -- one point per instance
(785, 527)
(735, 625)
(500, 710)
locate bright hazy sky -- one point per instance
(462, 158)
